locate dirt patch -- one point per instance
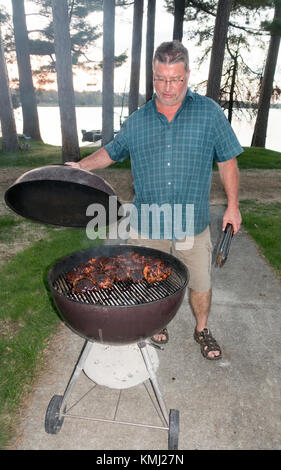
(262, 185)
(25, 236)
(9, 328)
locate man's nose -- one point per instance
(167, 84)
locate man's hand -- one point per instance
(73, 164)
(97, 160)
(232, 216)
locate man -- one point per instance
(172, 141)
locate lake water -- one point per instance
(90, 118)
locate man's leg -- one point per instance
(201, 303)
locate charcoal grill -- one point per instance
(122, 317)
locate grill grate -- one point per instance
(123, 293)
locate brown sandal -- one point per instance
(207, 343)
(163, 332)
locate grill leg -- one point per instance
(154, 382)
(75, 374)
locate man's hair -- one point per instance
(171, 53)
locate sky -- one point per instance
(123, 35)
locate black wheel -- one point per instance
(174, 419)
(53, 423)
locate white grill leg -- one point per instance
(153, 378)
(75, 374)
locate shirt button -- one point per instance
(168, 163)
(169, 146)
(169, 182)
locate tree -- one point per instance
(108, 71)
(150, 27)
(218, 47)
(27, 92)
(70, 145)
(136, 56)
(8, 124)
(83, 34)
(259, 136)
(178, 19)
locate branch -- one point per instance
(201, 7)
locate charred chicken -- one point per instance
(101, 272)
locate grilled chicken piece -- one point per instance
(156, 271)
(121, 274)
(101, 279)
(85, 268)
(138, 259)
(82, 285)
(71, 276)
(136, 275)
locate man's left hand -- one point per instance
(232, 216)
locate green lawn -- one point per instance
(259, 158)
(27, 314)
(40, 154)
(263, 222)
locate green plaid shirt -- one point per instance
(172, 161)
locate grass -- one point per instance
(263, 222)
(40, 154)
(259, 158)
(8, 228)
(27, 316)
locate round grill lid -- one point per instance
(61, 195)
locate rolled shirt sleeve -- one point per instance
(118, 148)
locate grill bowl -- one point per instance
(117, 324)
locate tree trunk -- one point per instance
(8, 124)
(232, 85)
(108, 71)
(150, 28)
(178, 19)
(218, 47)
(136, 56)
(259, 136)
(70, 145)
(27, 92)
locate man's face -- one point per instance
(170, 82)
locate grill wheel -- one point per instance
(53, 422)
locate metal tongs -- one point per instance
(224, 246)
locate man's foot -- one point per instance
(209, 347)
(160, 338)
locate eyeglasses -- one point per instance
(173, 81)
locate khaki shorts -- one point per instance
(195, 252)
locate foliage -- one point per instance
(240, 80)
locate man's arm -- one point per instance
(98, 159)
(229, 174)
